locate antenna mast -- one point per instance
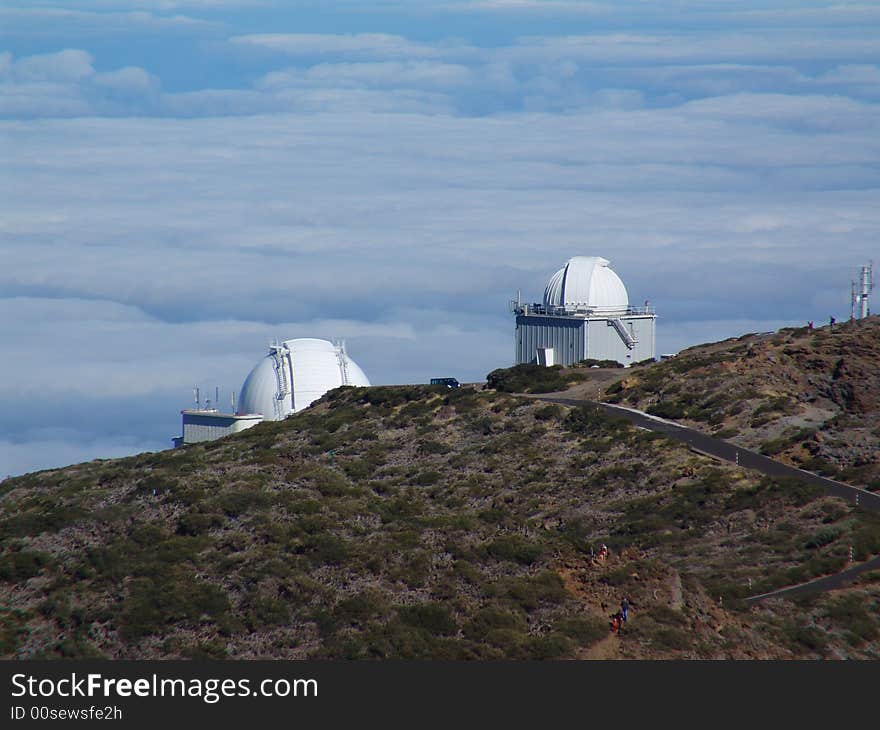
(866, 281)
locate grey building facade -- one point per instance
(626, 338)
(585, 315)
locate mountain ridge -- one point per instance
(421, 522)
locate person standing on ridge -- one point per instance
(624, 608)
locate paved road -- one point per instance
(750, 460)
(828, 583)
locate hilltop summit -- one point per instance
(422, 522)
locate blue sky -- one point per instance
(185, 180)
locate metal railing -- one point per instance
(576, 311)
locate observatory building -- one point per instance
(293, 375)
(585, 315)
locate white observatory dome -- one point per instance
(586, 282)
(294, 374)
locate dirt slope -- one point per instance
(809, 398)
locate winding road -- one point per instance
(717, 448)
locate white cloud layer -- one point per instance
(39, 452)
(309, 44)
(44, 20)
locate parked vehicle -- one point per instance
(448, 382)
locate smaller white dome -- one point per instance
(295, 374)
(586, 282)
(259, 392)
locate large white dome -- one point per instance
(294, 374)
(586, 282)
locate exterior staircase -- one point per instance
(624, 333)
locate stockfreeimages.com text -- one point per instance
(209, 690)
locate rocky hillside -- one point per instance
(416, 522)
(808, 397)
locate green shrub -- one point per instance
(42, 517)
(726, 433)
(493, 617)
(330, 483)
(157, 485)
(237, 502)
(584, 631)
(800, 637)
(866, 536)
(527, 378)
(592, 420)
(686, 363)
(12, 630)
(205, 651)
(415, 409)
(154, 605)
(430, 446)
(22, 564)
(427, 478)
(397, 508)
(481, 424)
(194, 523)
(399, 640)
(668, 409)
(327, 549)
(360, 608)
(850, 613)
(789, 489)
(822, 538)
(510, 642)
(515, 549)
(780, 404)
(660, 634)
(358, 469)
(391, 396)
(550, 412)
(467, 572)
(549, 646)
(530, 592)
(435, 618)
(820, 466)
(614, 389)
(775, 446)
(265, 611)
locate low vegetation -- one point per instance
(423, 522)
(530, 378)
(808, 397)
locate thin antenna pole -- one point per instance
(198, 400)
(866, 285)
